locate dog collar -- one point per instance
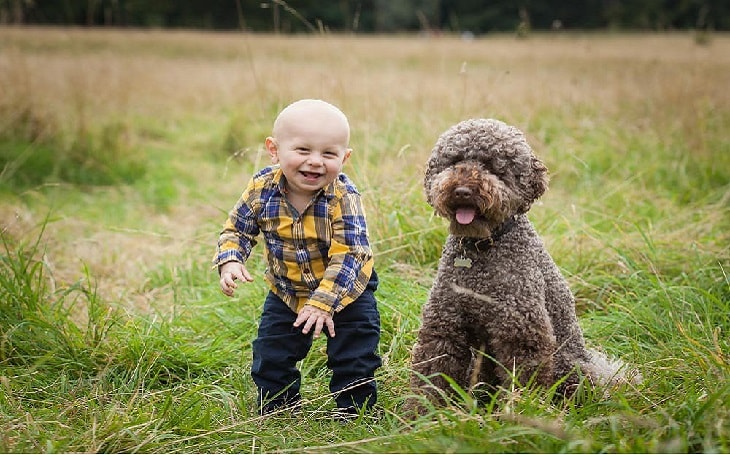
(480, 244)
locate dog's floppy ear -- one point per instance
(429, 176)
(540, 178)
(443, 154)
(537, 183)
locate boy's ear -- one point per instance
(348, 152)
(273, 148)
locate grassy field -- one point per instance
(122, 151)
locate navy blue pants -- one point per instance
(351, 354)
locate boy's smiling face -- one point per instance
(310, 143)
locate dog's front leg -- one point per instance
(521, 336)
(523, 343)
(526, 354)
(436, 356)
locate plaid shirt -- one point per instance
(321, 257)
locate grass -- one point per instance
(121, 152)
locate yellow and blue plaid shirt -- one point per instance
(321, 257)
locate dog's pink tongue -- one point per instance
(465, 215)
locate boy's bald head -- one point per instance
(311, 110)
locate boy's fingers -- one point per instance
(301, 317)
(227, 281)
(320, 323)
(313, 319)
(308, 325)
(317, 327)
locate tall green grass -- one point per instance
(181, 384)
(30, 158)
(114, 336)
(39, 145)
(177, 382)
(37, 321)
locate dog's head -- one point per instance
(480, 172)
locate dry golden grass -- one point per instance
(373, 78)
(181, 92)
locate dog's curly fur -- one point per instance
(499, 309)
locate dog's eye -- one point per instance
(451, 157)
(498, 165)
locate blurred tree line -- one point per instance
(475, 16)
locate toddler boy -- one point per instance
(320, 264)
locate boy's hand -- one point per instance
(314, 317)
(230, 272)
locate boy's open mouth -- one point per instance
(310, 175)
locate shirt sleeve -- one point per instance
(350, 256)
(240, 230)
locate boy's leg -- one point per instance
(352, 353)
(276, 350)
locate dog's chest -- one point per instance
(470, 257)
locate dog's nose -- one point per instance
(462, 192)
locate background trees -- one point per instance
(476, 16)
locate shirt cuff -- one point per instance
(324, 300)
(227, 256)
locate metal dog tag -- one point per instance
(462, 262)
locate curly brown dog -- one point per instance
(499, 310)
